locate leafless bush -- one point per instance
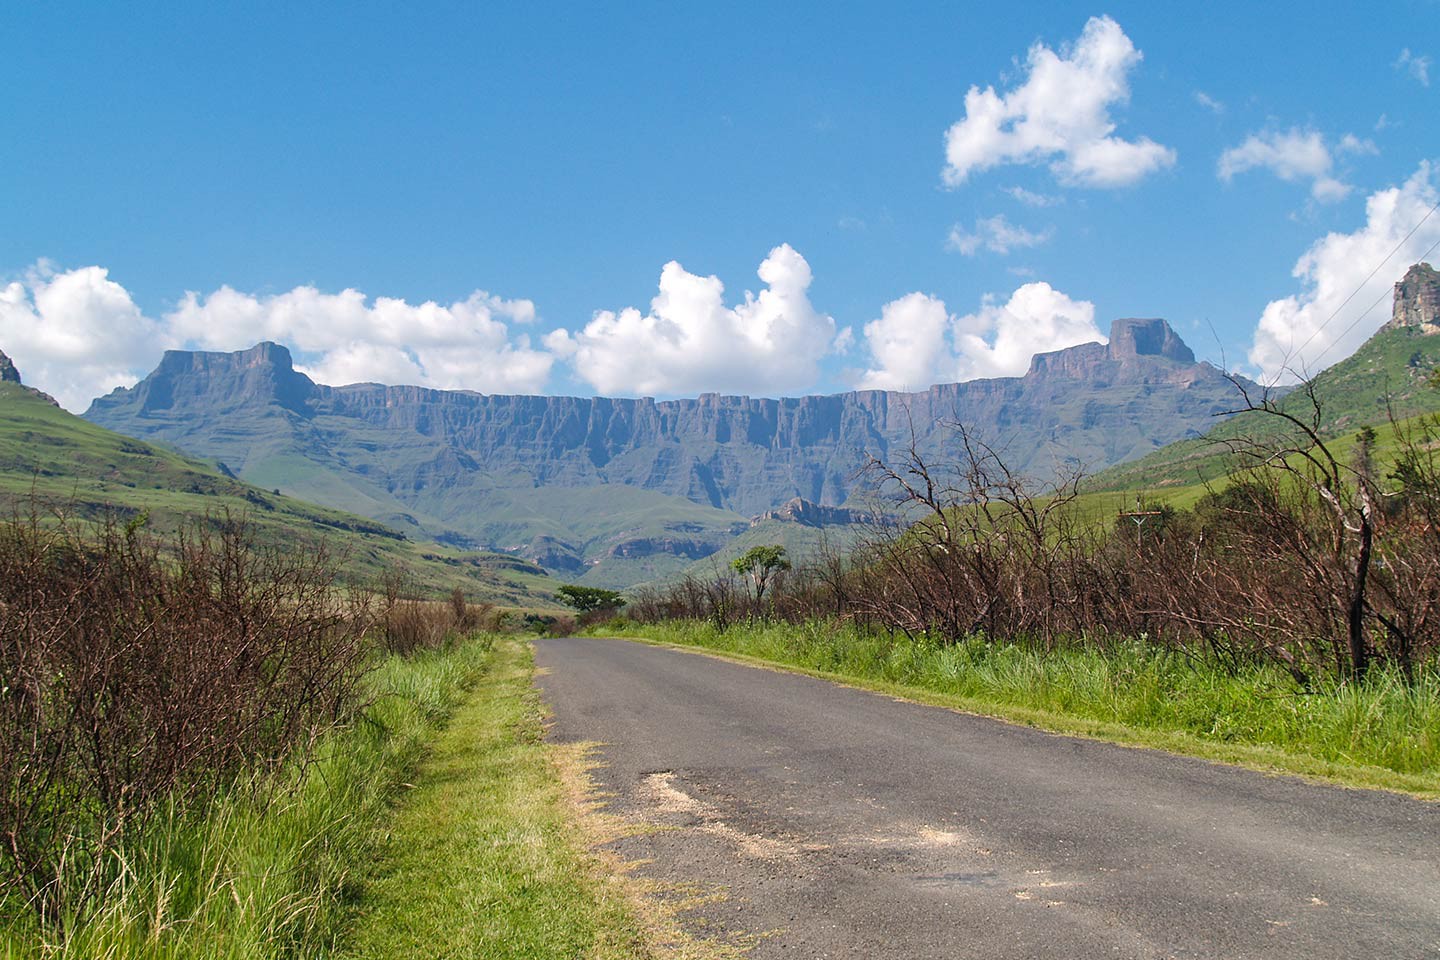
(410, 621)
(136, 671)
(990, 552)
(1303, 558)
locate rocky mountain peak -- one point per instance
(1417, 299)
(1151, 337)
(1138, 348)
(264, 374)
(8, 373)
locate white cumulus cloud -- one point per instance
(997, 235)
(917, 342)
(1060, 114)
(1339, 307)
(689, 340)
(1293, 155)
(77, 334)
(346, 338)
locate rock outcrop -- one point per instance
(8, 373)
(1417, 300)
(801, 511)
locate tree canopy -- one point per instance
(589, 599)
(760, 564)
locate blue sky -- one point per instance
(488, 196)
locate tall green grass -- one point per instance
(1372, 729)
(263, 873)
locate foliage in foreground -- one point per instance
(1383, 722)
(139, 676)
(199, 732)
(268, 873)
(1314, 558)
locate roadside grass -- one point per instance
(483, 858)
(1381, 734)
(272, 878)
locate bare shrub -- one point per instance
(1303, 558)
(136, 671)
(409, 621)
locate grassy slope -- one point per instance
(86, 470)
(1393, 366)
(1380, 735)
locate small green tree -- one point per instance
(589, 599)
(761, 564)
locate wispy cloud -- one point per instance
(1417, 66)
(1032, 199)
(996, 234)
(1209, 102)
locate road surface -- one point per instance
(809, 819)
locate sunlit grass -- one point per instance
(482, 859)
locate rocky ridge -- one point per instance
(458, 464)
(801, 511)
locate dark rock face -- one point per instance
(798, 510)
(218, 382)
(1132, 338)
(553, 554)
(8, 373)
(1417, 299)
(436, 453)
(670, 546)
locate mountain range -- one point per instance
(615, 491)
(55, 466)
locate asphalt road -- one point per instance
(808, 819)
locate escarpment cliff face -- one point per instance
(574, 478)
(1417, 300)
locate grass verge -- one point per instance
(482, 858)
(1378, 735)
(269, 878)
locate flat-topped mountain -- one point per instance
(591, 474)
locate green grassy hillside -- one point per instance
(1390, 374)
(84, 471)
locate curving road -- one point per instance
(810, 819)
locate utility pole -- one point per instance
(1140, 516)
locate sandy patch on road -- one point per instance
(661, 796)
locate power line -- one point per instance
(1372, 306)
(1356, 292)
